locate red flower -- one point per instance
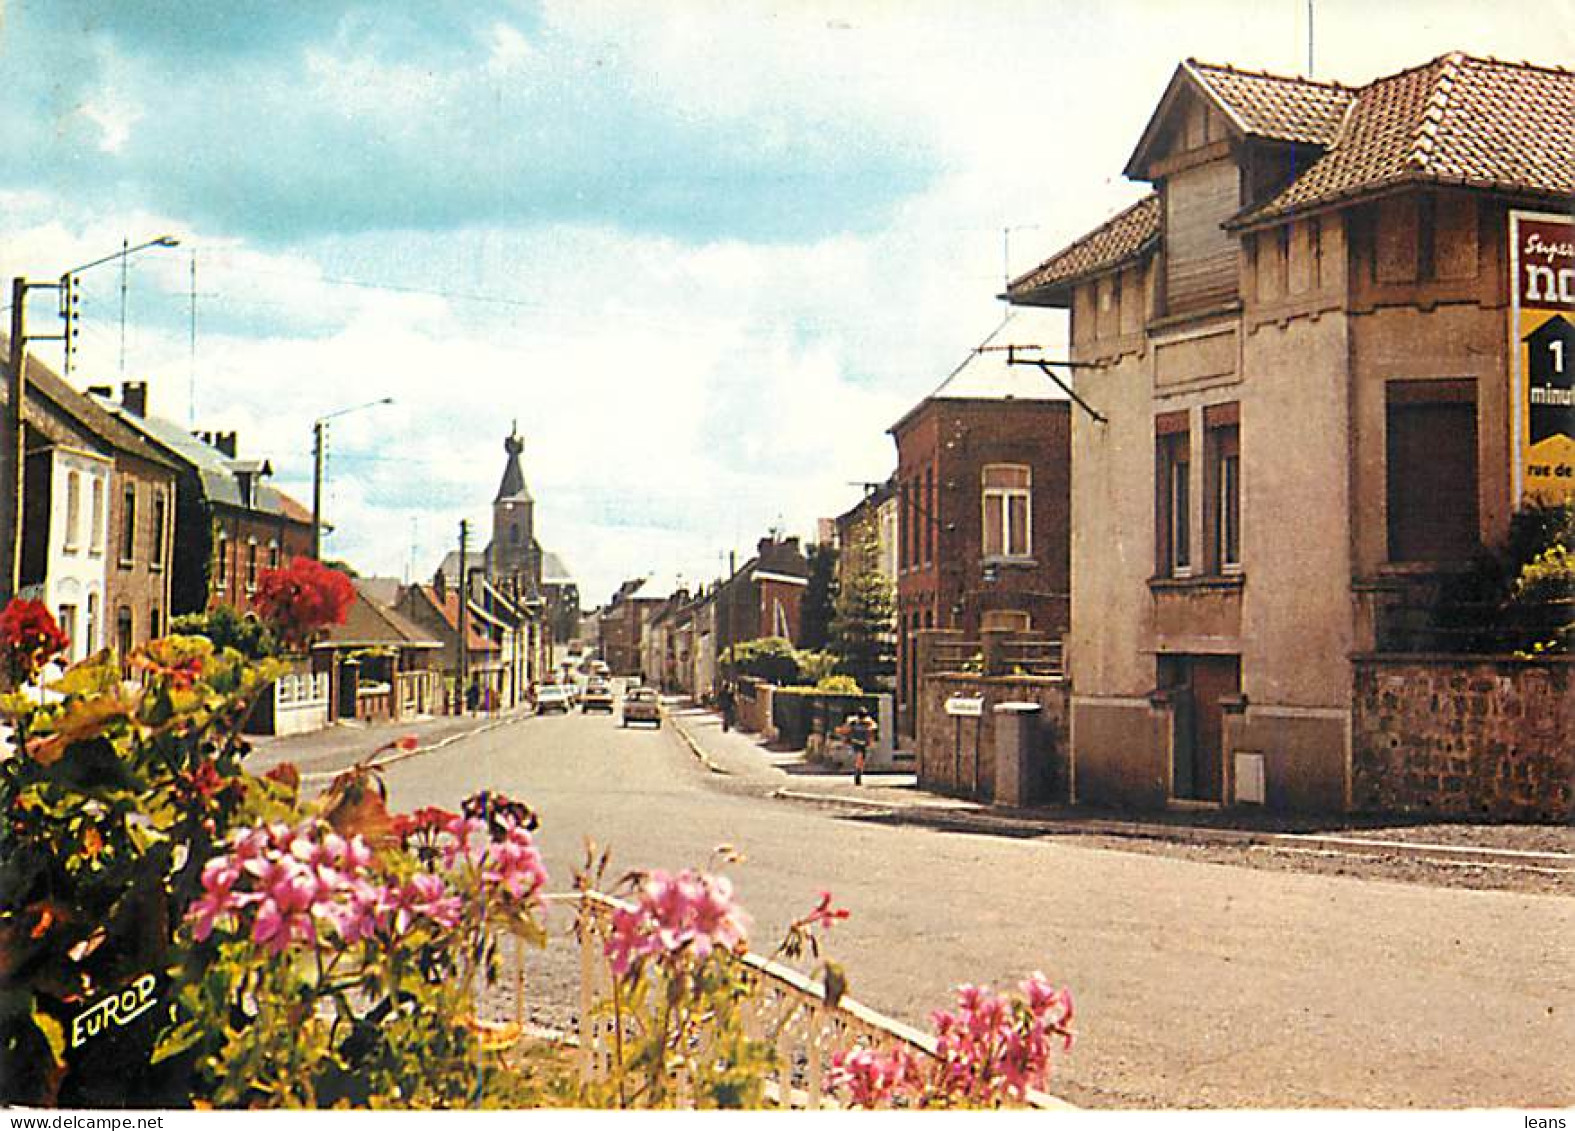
(29, 638)
(298, 601)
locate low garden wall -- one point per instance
(957, 754)
(1464, 736)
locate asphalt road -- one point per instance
(1197, 985)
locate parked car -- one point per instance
(640, 706)
(597, 696)
(553, 697)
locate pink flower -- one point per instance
(428, 896)
(874, 1079)
(675, 916)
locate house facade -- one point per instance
(98, 514)
(764, 596)
(983, 516)
(1300, 351)
(228, 523)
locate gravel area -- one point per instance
(1398, 868)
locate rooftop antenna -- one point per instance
(1309, 38)
(191, 377)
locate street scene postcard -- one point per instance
(586, 556)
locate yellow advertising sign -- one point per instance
(1542, 320)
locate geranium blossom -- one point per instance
(992, 1048)
(688, 914)
(29, 638)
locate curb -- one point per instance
(694, 747)
(404, 755)
(988, 821)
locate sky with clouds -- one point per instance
(704, 253)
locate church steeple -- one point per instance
(513, 486)
(514, 554)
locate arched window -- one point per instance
(73, 510)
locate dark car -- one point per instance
(597, 696)
(640, 706)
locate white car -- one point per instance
(554, 697)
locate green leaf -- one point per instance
(53, 1032)
(94, 767)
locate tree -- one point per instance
(863, 631)
(820, 599)
(247, 634)
(297, 601)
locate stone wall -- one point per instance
(1484, 737)
(957, 755)
(753, 707)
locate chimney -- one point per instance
(134, 397)
(440, 585)
(225, 442)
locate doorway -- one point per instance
(1198, 686)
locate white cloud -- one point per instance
(678, 395)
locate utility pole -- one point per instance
(318, 427)
(13, 455)
(11, 448)
(464, 615)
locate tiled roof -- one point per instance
(447, 607)
(368, 623)
(1124, 237)
(1274, 106)
(89, 416)
(216, 470)
(1459, 120)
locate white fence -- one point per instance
(300, 703)
(785, 1009)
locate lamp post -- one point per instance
(319, 433)
(68, 293)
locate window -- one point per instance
(123, 631)
(96, 515)
(1007, 495)
(128, 526)
(156, 554)
(90, 630)
(273, 553)
(1005, 620)
(1173, 489)
(1223, 437)
(155, 628)
(929, 516)
(1431, 464)
(221, 561)
(68, 624)
(251, 565)
(73, 511)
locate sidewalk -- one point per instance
(323, 753)
(893, 796)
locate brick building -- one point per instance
(1301, 343)
(982, 508)
(98, 511)
(764, 596)
(229, 523)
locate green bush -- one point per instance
(771, 658)
(227, 628)
(839, 685)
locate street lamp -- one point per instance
(319, 432)
(68, 293)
